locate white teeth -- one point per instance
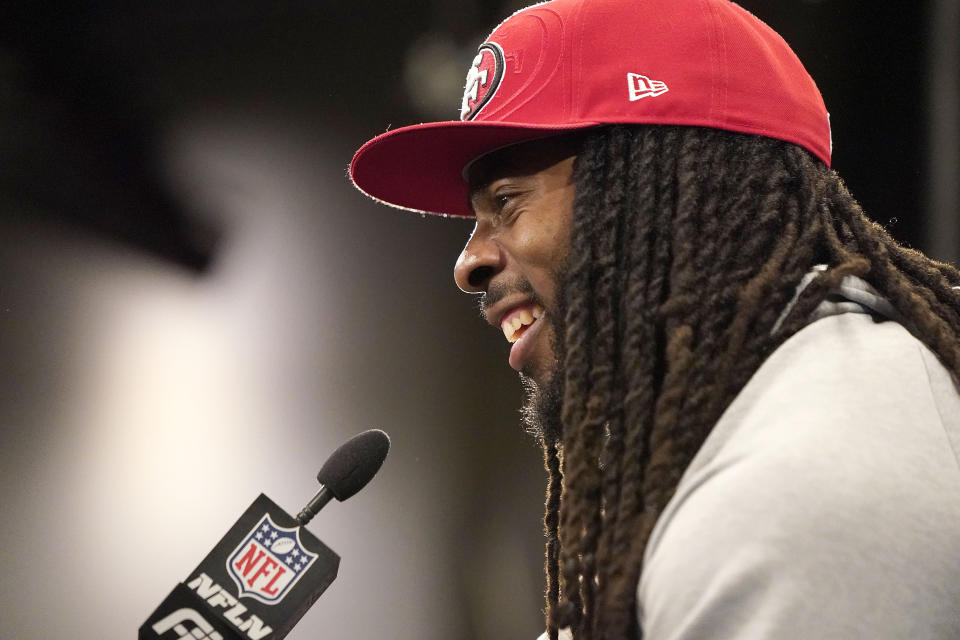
(523, 317)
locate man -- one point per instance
(746, 391)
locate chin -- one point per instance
(543, 405)
(535, 377)
(538, 373)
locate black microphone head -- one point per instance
(354, 463)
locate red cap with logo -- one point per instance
(565, 65)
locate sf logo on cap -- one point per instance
(483, 78)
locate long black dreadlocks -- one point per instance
(687, 245)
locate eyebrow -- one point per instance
(479, 191)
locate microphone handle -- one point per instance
(313, 507)
(255, 584)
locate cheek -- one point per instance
(542, 250)
(545, 238)
(539, 247)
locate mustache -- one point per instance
(500, 290)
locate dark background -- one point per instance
(195, 305)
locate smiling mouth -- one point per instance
(516, 323)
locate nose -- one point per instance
(479, 261)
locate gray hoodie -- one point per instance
(826, 501)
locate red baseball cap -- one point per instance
(565, 65)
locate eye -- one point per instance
(506, 201)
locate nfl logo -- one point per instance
(269, 561)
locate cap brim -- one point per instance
(420, 167)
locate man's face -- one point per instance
(522, 197)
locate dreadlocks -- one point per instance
(687, 246)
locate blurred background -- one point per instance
(196, 306)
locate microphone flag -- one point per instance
(255, 584)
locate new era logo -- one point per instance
(643, 87)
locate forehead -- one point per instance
(524, 159)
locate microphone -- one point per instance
(268, 569)
(347, 470)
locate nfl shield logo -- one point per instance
(269, 561)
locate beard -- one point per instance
(542, 409)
